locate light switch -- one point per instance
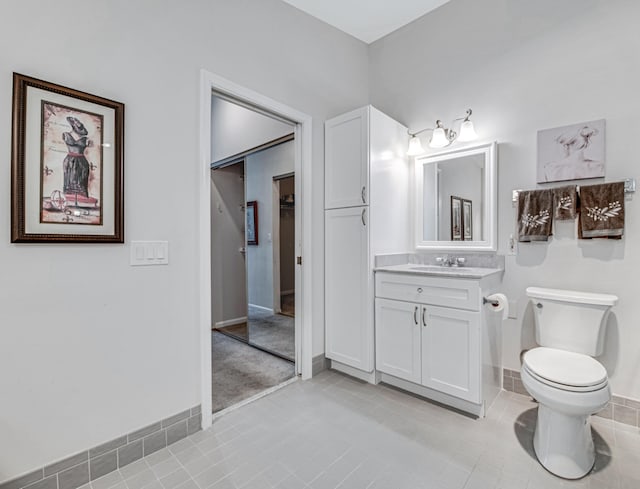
(513, 310)
(149, 253)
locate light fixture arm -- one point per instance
(443, 136)
(413, 134)
(465, 118)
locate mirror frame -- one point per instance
(490, 211)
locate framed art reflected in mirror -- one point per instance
(252, 223)
(456, 218)
(467, 220)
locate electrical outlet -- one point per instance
(513, 245)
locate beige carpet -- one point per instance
(273, 332)
(240, 371)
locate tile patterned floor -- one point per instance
(335, 432)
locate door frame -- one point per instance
(275, 232)
(210, 82)
(275, 241)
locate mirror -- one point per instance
(456, 196)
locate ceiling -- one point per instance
(367, 20)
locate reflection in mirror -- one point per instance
(453, 199)
(456, 199)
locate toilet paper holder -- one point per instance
(489, 301)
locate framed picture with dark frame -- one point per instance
(252, 222)
(67, 162)
(456, 218)
(467, 220)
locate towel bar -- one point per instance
(629, 187)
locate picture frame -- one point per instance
(67, 165)
(252, 223)
(572, 152)
(456, 218)
(467, 220)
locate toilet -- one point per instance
(562, 375)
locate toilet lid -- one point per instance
(565, 367)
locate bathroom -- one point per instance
(521, 66)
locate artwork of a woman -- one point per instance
(571, 152)
(75, 164)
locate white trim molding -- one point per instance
(210, 82)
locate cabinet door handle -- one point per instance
(364, 189)
(415, 315)
(364, 211)
(424, 321)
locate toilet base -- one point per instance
(563, 443)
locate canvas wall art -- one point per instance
(572, 152)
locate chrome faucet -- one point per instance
(450, 261)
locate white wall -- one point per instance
(235, 129)
(228, 264)
(261, 168)
(525, 66)
(90, 347)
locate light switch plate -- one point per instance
(145, 253)
(513, 310)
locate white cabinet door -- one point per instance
(451, 351)
(346, 160)
(398, 339)
(348, 284)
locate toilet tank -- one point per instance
(571, 320)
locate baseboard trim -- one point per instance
(95, 462)
(266, 309)
(370, 377)
(318, 364)
(231, 322)
(433, 395)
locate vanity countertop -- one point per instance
(440, 271)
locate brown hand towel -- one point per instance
(601, 211)
(565, 200)
(535, 212)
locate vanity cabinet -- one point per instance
(451, 351)
(398, 331)
(366, 213)
(433, 333)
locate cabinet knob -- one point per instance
(419, 290)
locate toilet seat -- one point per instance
(565, 370)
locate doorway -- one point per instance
(253, 344)
(210, 83)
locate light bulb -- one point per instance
(439, 139)
(467, 132)
(415, 146)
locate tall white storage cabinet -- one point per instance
(366, 213)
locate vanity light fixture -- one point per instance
(442, 136)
